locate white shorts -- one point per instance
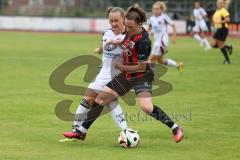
(160, 47)
(98, 84)
(200, 27)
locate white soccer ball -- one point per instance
(128, 138)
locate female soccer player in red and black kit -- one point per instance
(136, 74)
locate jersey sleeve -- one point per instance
(144, 49)
(106, 36)
(168, 20)
(225, 13)
(149, 22)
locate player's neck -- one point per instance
(135, 32)
(158, 15)
(120, 31)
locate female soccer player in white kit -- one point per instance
(199, 15)
(111, 50)
(158, 24)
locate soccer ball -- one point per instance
(128, 138)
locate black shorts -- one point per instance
(221, 34)
(121, 85)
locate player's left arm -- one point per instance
(204, 14)
(226, 17)
(171, 23)
(174, 36)
(115, 42)
(140, 67)
(226, 20)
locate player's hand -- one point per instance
(118, 65)
(118, 41)
(114, 42)
(109, 41)
(97, 50)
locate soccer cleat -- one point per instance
(178, 134)
(226, 62)
(76, 134)
(208, 48)
(180, 67)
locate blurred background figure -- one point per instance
(199, 16)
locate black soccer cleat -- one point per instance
(226, 62)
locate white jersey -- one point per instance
(200, 24)
(159, 26)
(199, 14)
(110, 53)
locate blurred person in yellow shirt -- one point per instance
(220, 21)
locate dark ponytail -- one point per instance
(137, 14)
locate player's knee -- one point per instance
(146, 107)
(90, 100)
(102, 100)
(161, 60)
(214, 45)
(99, 101)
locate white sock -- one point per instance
(171, 63)
(174, 126)
(197, 37)
(206, 44)
(83, 130)
(81, 114)
(117, 115)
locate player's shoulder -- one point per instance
(164, 15)
(108, 32)
(151, 18)
(224, 10)
(198, 9)
(145, 36)
(202, 9)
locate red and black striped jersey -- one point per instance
(135, 49)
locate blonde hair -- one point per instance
(116, 9)
(161, 5)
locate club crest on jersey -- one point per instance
(127, 49)
(109, 47)
(131, 44)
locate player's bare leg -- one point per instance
(205, 41)
(172, 63)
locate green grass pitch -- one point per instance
(205, 102)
